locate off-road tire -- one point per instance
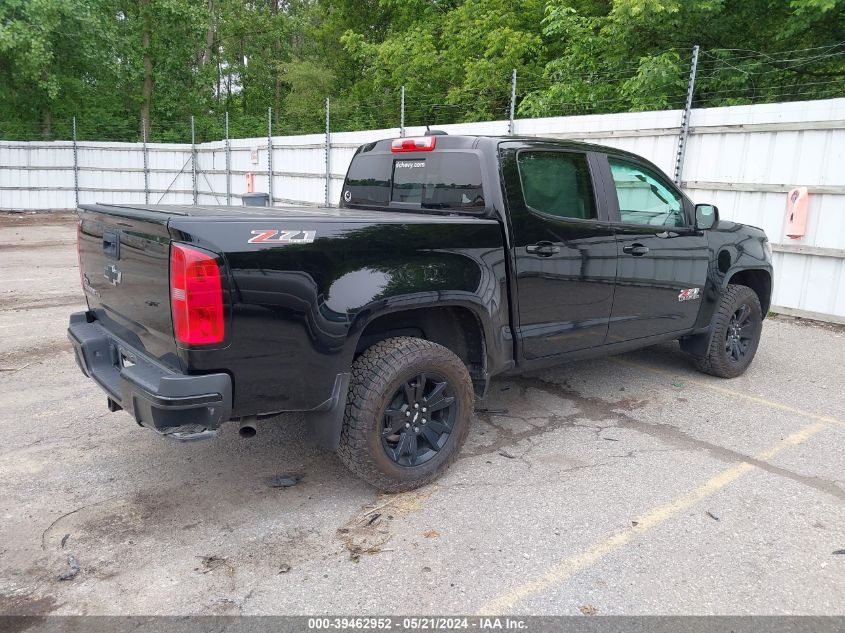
(376, 374)
(718, 361)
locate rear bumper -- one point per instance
(173, 404)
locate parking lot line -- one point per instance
(737, 394)
(562, 572)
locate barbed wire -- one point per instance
(770, 55)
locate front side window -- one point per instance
(557, 184)
(644, 198)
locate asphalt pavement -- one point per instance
(627, 485)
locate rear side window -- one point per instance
(446, 180)
(557, 183)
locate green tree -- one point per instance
(634, 54)
(126, 68)
(45, 75)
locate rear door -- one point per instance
(662, 258)
(563, 246)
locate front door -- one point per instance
(662, 258)
(564, 251)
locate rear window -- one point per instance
(446, 180)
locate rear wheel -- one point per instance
(736, 333)
(407, 415)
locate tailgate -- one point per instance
(124, 264)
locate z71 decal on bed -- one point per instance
(273, 236)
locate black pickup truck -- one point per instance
(450, 259)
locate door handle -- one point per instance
(637, 250)
(543, 249)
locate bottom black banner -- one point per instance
(529, 624)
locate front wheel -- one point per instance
(408, 412)
(736, 333)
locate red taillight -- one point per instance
(418, 144)
(196, 296)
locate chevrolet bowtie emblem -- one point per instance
(113, 274)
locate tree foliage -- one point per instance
(126, 68)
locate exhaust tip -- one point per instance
(247, 431)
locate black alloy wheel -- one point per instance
(740, 333)
(418, 420)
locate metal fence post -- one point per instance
(402, 112)
(194, 159)
(513, 101)
(228, 163)
(682, 138)
(146, 163)
(270, 153)
(328, 155)
(75, 167)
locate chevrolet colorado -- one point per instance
(450, 259)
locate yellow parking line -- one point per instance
(562, 572)
(737, 394)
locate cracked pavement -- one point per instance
(557, 462)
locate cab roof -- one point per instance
(472, 141)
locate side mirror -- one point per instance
(706, 216)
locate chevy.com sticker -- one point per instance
(410, 164)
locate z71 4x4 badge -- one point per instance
(688, 294)
(273, 236)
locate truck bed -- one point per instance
(295, 282)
